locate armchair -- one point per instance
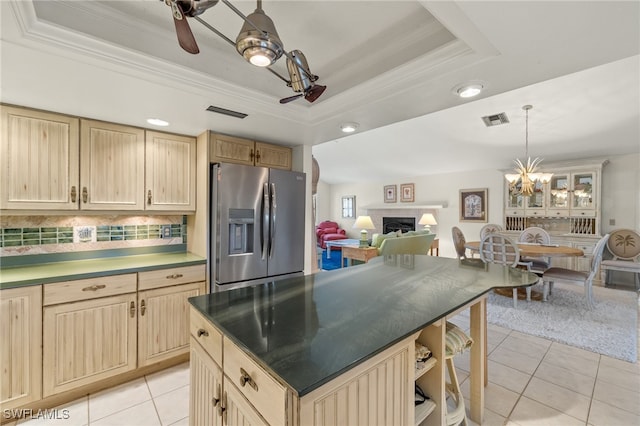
(329, 231)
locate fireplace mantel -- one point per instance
(391, 206)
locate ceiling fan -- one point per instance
(258, 42)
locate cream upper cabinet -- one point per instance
(40, 167)
(20, 346)
(170, 172)
(111, 166)
(274, 156)
(230, 149)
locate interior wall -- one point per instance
(620, 199)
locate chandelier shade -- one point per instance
(261, 48)
(527, 172)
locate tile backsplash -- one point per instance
(39, 235)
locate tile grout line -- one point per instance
(153, 401)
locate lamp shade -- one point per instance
(427, 219)
(364, 222)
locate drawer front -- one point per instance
(170, 276)
(206, 334)
(92, 288)
(268, 396)
(583, 213)
(557, 213)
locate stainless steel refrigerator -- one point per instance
(257, 224)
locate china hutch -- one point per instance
(568, 207)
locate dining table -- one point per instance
(533, 250)
(536, 250)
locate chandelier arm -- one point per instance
(279, 76)
(206, 24)
(247, 20)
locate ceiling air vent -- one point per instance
(495, 119)
(228, 112)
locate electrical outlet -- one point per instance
(165, 231)
(612, 222)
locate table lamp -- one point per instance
(427, 220)
(364, 223)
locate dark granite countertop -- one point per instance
(308, 330)
(90, 268)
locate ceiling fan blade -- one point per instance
(290, 98)
(314, 93)
(183, 31)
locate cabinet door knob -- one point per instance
(85, 194)
(143, 307)
(132, 309)
(203, 332)
(216, 398)
(74, 194)
(245, 378)
(149, 197)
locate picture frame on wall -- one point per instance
(390, 194)
(474, 205)
(407, 192)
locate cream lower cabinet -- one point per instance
(87, 341)
(20, 346)
(163, 322)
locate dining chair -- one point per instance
(488, 228)
(624, 245)
(459, 242)
(497, 248)
(585, 279)
(536, 235)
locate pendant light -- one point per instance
(527, 172)
(258, 41)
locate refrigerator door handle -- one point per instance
(266, 209)
(273, 219)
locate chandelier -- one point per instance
(527, 173)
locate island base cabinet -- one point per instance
(20, 346)
(378, 392)
(205, 388)
(163, 322)
(237, 411)
(88, 341)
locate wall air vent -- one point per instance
(495, 119)
(228, 112)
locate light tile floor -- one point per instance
(532, 381)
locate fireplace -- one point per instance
(404, 224)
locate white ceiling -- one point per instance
(388, 65)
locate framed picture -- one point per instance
(407, 193)
(390, 194)
(473, 205)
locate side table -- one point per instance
(359, 253)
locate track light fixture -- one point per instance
(258, 42)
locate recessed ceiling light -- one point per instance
(349, 127)
(157, 122)
(468, 90)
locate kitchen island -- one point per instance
(338, 347)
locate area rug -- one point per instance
(611, 328)
(334, 262)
